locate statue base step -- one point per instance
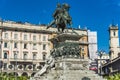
(69, 69)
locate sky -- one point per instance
(96, 15)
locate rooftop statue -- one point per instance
(61, 17)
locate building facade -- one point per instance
(102, 60)
(114, 47)
(25, 47)
(92, 39)
(113, 67)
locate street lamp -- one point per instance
(100, 53)
(1, 65)
(15, 65)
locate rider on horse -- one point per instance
(61, 15)
(66, 16)
(57, 14)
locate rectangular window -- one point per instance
(25, 46)
(34, 67)
(15, 36)
(34, 38)
(25, 37)
(44, 38)
(5, 66)
(24, 68)
(5, 45)
(44, 46)
(34, 47)
(6, 35)
(15, 45)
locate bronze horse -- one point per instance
(62, 25)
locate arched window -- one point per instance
(34, 56)
(24, 74)
(15, 55)
(5, 55)
(114, 33)
(44, 56)
(25, 56)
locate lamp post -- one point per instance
(15, 66)
(100, 53)
(16, 69)
(1, 65)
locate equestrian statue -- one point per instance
(61, 17)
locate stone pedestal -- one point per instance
(70, 69)
(68, 61)
(67, 45)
